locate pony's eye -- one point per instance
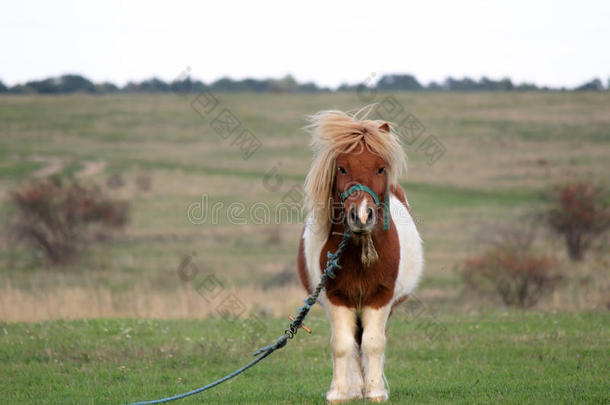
(381, 170)
(342, 170)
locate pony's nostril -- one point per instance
(369, 213)
(352, 215)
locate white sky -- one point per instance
(557, 43)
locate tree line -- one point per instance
(73, 83)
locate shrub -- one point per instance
(115, 181)
(510, 268)
(580, 214)
(54, 217)
(520, 278)
(144, 182)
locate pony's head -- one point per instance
(355, 162)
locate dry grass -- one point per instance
(89, 302)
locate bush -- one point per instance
(511, 269)
(580, 214)
(144, 182)
(54, 217)
(519, 278)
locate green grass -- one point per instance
(18, 169)
(451, 196)
(497, 357)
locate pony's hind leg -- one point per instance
(342, 342)
(373, 348)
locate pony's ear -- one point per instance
(385, 127)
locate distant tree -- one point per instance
(309, 87)
(153, 85)
(254, 85)
(526, 87)
(3, 88)
(21, 89)
(183, 86)
(450, 83)
(486, 84)
(46, 86)
(347, 87)
(106, 87)
(64, 84)
(398, 83)
(74, 83)
(199, 86)
(465, 84)
(505, 85)
(187, 86)
(287, 84)
(227, 84)
(131, 87)
(593, 85)
(434, 86)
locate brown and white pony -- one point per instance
(379, 267)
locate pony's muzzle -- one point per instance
(361, 218)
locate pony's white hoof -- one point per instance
(355, 395)
(378, 395)
(335, 396)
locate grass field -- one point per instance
(497, 357)
(502, 151)
(149, 333)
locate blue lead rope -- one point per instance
(331, 264)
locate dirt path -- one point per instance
(92, 168)
(54, 165)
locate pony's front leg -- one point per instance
(342, 341)
(373, 347)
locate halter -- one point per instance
(386, 203)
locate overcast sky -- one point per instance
(556, 43)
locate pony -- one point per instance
(352, 186)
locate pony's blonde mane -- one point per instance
(336, 132)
